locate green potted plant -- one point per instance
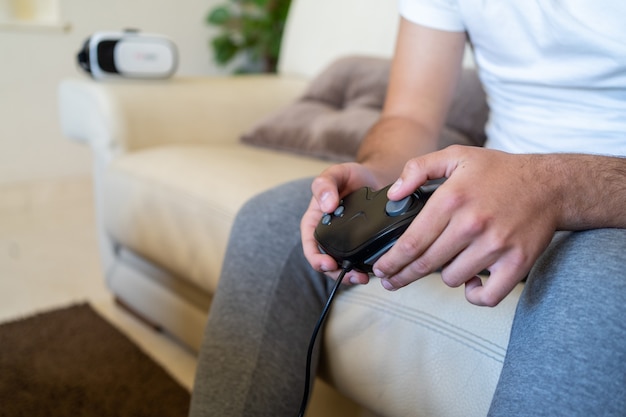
(250, 29)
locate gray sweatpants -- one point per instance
(566, 355)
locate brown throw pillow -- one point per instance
(342, 103)
(330, 120)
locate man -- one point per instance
(555, 75)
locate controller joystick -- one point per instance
(367, 224)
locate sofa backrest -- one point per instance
(319, 31)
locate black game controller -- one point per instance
(367, 224)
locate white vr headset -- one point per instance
(128, 54)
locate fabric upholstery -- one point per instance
(174, 206)
(333, 115)
(441, 347)
(344, 101)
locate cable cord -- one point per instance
(345, 267)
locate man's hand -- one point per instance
(496, 211)
(328, 188)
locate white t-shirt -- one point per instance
(554, 70)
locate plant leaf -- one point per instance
(219, 16)
(224, 49)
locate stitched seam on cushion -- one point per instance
(434, 324)
(434, 318)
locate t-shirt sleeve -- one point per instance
(436, 14)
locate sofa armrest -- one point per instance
(117, 117)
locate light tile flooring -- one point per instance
(49, 259)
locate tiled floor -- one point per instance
(49, 258)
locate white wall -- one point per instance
(32, 62)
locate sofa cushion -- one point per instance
(169, 203)
(334, 114)
(381, 345)
(343, 102)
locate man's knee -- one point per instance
(566, 345)
(579, 266)
(276, 210)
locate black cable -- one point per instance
(345, 267)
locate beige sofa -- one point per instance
(171, 172)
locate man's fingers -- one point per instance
(417, 171)
(428, 243)
(337, 179)
(310, 220)
(491, 291)
(325, 193)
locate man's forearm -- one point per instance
(590, 188)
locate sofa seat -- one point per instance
(173, 205)
(408, 352)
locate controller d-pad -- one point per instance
(327, 218)
(397, 208)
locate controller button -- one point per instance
(397, 208)
(326, 219)
(339, 211)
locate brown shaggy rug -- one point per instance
(72, 363)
